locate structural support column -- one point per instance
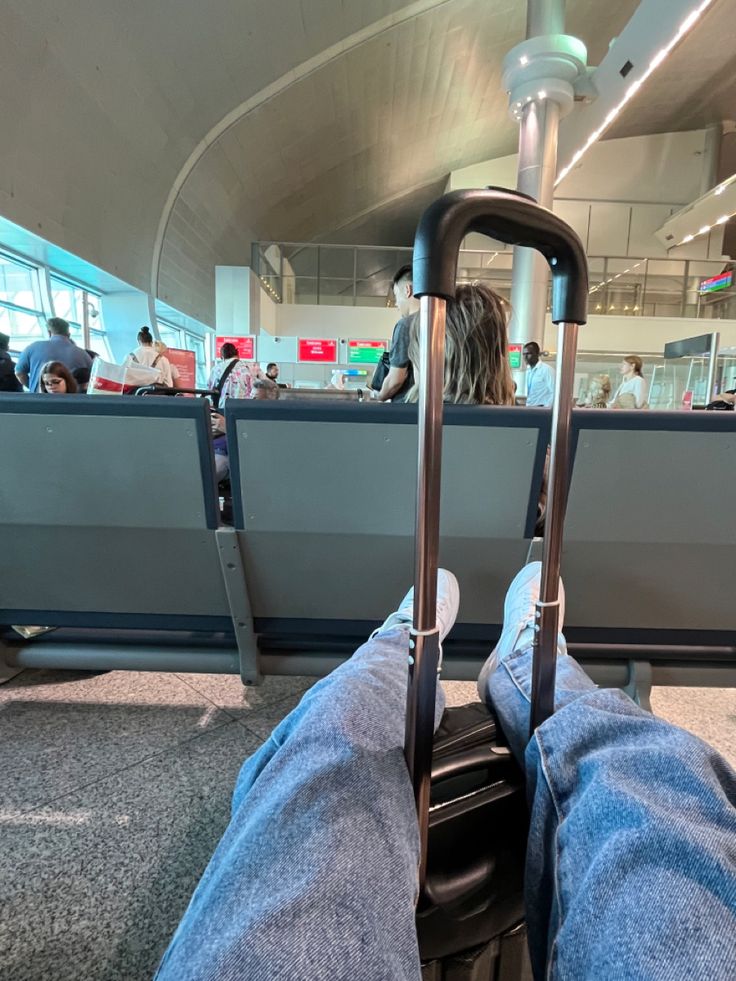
(540, 76)
(537, 166)
(545, 17)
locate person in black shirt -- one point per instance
(8, 381)
(400, 377)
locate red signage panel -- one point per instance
(246, 346)
(317, 350)
(185, 363)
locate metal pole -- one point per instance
(545, 638)
(530, 274)
(424, 660)
(715, 340)
(545, 17)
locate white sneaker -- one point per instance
(519, 619)
(448, 600)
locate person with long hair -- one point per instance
(633, 391)
(148, 355)
(477, 369)
(56, 379)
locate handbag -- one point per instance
(381, 370)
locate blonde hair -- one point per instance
(477, 367)
(599, 391)
(635, 361)
(160, 347)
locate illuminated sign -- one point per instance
(365, 352)
(186, 364)
(715, 283)
(317, 350)
(355, 373)
(246, 346)
(515, 355)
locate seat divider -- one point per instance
(236, 588)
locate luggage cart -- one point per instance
(469, 792)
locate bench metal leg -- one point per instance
(7, 670)
(236, 587)
(639, 684)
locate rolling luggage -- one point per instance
(469, 791)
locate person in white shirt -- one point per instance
(633, 391)
(540, 379)
(146, 354)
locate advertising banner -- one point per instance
(315, 350)
(246, 346)
(365, 352)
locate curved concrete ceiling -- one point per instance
(353, 145)
(196, 127)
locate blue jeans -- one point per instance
(632, 848)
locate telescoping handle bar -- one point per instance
(516, 220)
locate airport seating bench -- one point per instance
(110, 532)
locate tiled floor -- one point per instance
(114, 791)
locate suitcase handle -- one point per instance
(517, 220)
(508, 217)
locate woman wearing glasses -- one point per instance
(56, 379)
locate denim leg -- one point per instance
(316, 874)
(631, 863)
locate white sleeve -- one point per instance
(541, 389)
(640, 392)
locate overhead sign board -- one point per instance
(515, 355)
(315, 350)
(246, 346)
(721, 282)
(365, 352)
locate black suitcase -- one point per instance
(469, 791)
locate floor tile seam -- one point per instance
(204, 695)
(129, 766)
(237, 718)
(244, 721)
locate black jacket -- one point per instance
(8, 381)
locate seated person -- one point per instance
(265, 388)
(219, 445)
(8, 381)
(81, 377)
(631, 864)
(599, 392)
(57, 379)
(477, 369)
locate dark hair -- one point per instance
(228, 351)
(4, 342)
(81, 376)
(57, 325)
(534, 346)
(404, 273)
(145, 336)
(61, 370)
(271, 364)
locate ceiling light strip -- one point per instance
(656, 61)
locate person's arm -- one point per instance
(547, 383)
(23, 368)
(398, 370)
(392, 383)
